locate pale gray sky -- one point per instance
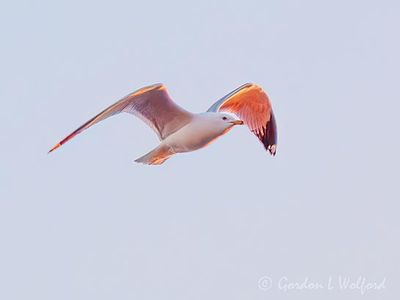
(88, 223)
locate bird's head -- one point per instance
(222, 120)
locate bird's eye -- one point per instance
(224, 118)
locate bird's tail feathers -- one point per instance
(157, 156)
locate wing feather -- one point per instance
(151, 104)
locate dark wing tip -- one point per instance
(272, 149)
(70, 136)
(54, 148)
(270, 137)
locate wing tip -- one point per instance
(272, 149)
(54, 148)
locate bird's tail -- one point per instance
(157, 156)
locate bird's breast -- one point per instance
(193, 136)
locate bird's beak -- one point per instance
(237, 122)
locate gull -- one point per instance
(181, 131)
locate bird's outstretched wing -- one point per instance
(151, 104)
(251, 104)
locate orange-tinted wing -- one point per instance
(251, 104)
(151, 104)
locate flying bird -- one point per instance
(182, 131)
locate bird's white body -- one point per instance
(203, 129)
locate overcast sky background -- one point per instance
(88, 223)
